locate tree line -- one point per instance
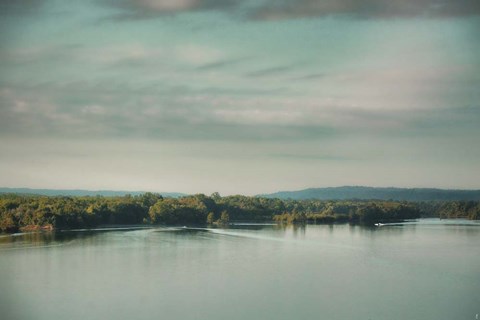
(33, 212)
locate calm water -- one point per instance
(424, 270)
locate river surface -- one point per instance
(428, 269)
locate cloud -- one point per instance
(197, 54)
(310, 76)
(311, 156)
(294, 9)
(291, 9)
(221, 64)
(148, 9)
(102, 109)
(269, 71)
(20, 7)
(31, 55)
(13, 17)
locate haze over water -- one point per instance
(422, 270)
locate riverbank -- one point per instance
(42, 213)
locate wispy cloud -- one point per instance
(293, 9)
(104, 109)
(310, 76)
(269, 71)
(30, 55)
(222, 63)
(22, 7)
(311, 156)
(148, 9)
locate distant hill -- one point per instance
(371, 193)
(105, 193)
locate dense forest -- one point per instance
(35, 212)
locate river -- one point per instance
(425, 269)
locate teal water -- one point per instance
(429, 269)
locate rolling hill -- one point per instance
(80, 193)
(370, 193)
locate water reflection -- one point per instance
(39, 239)
(295, 231)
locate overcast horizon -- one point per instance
(239, 96)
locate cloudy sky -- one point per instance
(239, 96)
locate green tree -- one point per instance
(211, 218)
(224, 218)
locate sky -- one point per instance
(239, 96)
